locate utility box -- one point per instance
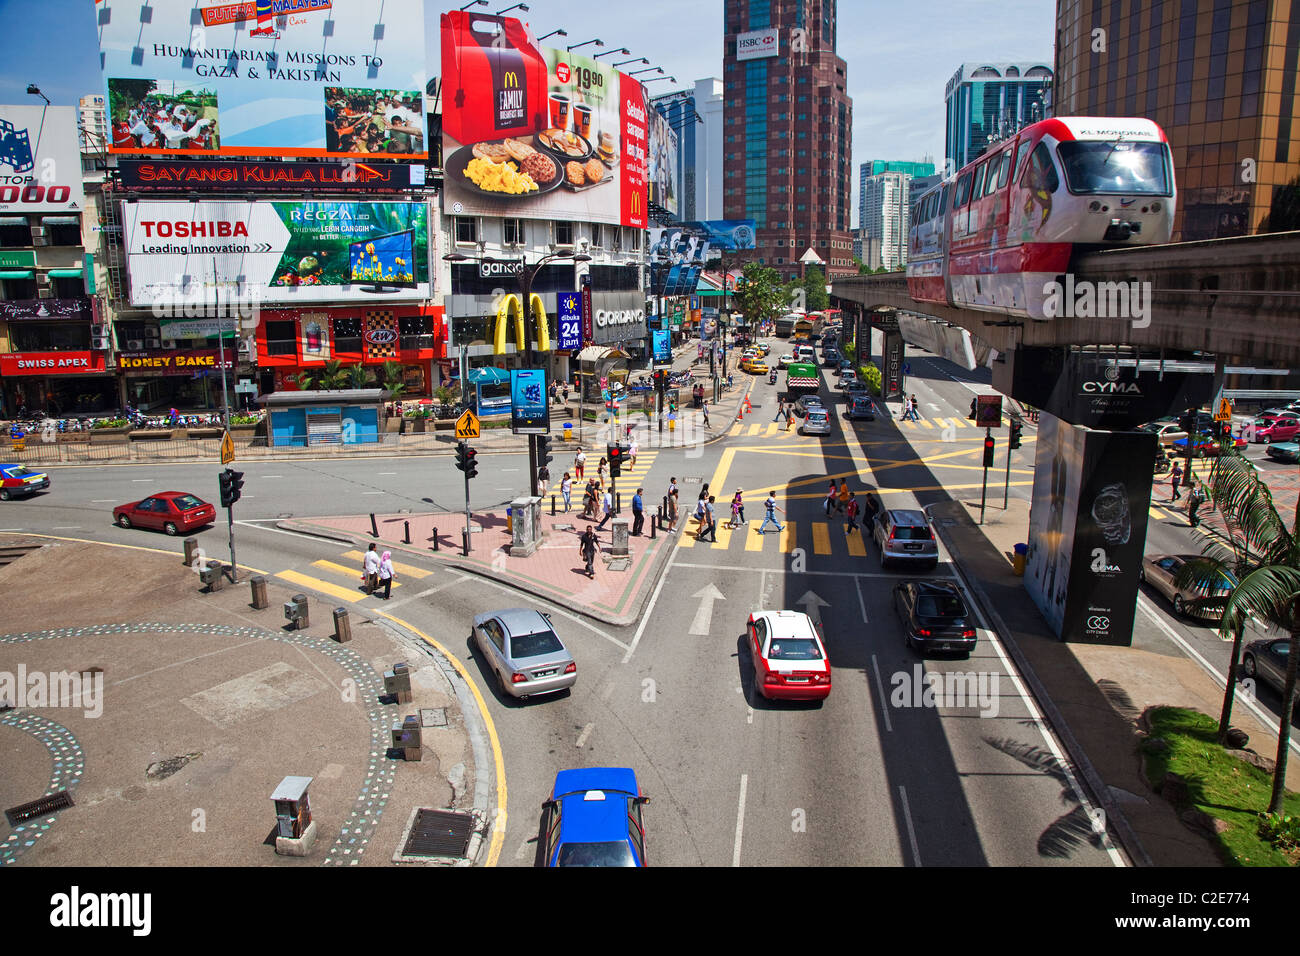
(295, 612)
(525, 526)
(213, 576)
(619, 547)
(407, 738)
(397, 682)
(295, 831)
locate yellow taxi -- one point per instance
(755, 365)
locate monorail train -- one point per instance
(995, 236)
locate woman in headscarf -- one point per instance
(386, 573)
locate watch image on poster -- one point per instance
(529, 403)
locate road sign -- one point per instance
(988, 411)
(467, 426)
(1224, 412)
(227, 449)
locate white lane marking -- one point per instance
(861, 601)
(387, 474)
(880, 692)
(102, 501)
(374, 492)
(270, 476)
(1263, 716)
(140, 480)
(749, 719)
(932, 576)
(67, 527)
(649, 610)
(11, 529)
(911, 833)
(704, 614)
(740, 819)
(582, 737)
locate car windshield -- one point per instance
(617, 853)
(816, 415)
(905, 533)
(534, 645)
(1100, 167)
(940, 605)
(186, 502)
(794, 649)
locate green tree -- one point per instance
(862, 267)
(814, 287)
(358, 376)
(1263, 557)
(1284, 211)
(391, 376)
(759, 293)
(330, 377)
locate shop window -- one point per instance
(67, 288)
(62, 230)
(49, 336)
(512, 231)
(17, 289)
(416, 331)
(347, 335)
(281, 338)
(15, 232)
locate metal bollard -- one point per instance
(654, 523)
(260, 602)
(374, 528)
(552, 506)
(342, 626)
(435, 539)
(464, 542)
(406, 532)
(618, 503)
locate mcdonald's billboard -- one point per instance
(510, 317)
(537, 132)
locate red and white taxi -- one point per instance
(788, 655)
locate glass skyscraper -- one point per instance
(989, 101)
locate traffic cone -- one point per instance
(748, 407)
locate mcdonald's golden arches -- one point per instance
(512, 305)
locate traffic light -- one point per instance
(544, 456)
(231, 482)
(615, 455)
(1013, 438)
(971, 416)
(461, 457)
(988, 451)
(466, 459)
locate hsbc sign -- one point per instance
(758, 44)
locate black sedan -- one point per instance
(935, 617)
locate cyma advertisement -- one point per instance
(265, 77)
(276, 251)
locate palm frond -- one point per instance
(1243, 496)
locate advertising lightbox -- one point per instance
(40, 161)
(276, 251)
(265, 77)
(678, 254)
(663, 163)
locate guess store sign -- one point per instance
(51, 363)
(182, 362)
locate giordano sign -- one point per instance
(618, 317)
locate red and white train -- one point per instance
(995, 236)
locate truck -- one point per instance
(801, 378)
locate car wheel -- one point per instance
(1248, 665)
(1180, 607)
(4, 494)
(123, 521)
(170, 528)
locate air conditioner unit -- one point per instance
(169, 343)
(38, 230)
(42, 279)
(40, 241)
(45, 293)
(99, 342)
(134, 345)
(152, 339)
(99, 329)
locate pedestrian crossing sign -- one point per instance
(1224, 411)
(467, 426)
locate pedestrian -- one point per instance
(789, 417)
(829, 504)
(701, 506)
(672, 503)
(734, 520)
(607, 505)
(844, 496)
(386, 573)
(770, 509)
(852, 514)
(543, 479)
(1174, 478)
(705, 406)
(579, 463)
(1195, 498)
(566, 489)
(589, 500)
(632, 453)
(370, 569)
(739, 504)
(638, 512)
(780, 411)
(566, 393)
(710, 522)
(602, 471)
(916, 409)
(588, 548)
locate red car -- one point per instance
(789, 659)
(169, 511)
(1277, 429)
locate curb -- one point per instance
(1098, 788)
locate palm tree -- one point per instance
(391, 376)
(330, 377)
(358, 376)
(1263, 557)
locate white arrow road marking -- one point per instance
(704, 616)
(586, 732)
(812, 606)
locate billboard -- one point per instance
(663, 163)
(678, 254)
(40, 160)
(536, 132)
(230, 175)
(276, 251)
(529, 412)
(265, 77)
(758, 44)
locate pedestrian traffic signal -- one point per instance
(988, 451)
(231, 483)
(615, 455)
(1013, 440)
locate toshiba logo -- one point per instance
(164, 229)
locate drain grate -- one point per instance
(39, 808)
(439, 833)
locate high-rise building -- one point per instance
(989, 101)
(886, 220)
(877, 166)
(696, 116)
(787, 141)
(92, 123)
(1218, 76)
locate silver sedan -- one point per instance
(522, 649)
(1159, 570)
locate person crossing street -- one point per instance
(770, 508)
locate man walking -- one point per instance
(672, 503)
(588, 548)
(607, 503)
(710, 522)
(370, 569)
(780, 411)
(771, 509)
(705, 406)
(638, 513)
(916, 409)
(1174, 480)
(1195, 498)
(579, 462)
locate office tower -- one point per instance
(876, 166)
(788, 135)
(696, 116)
(92, 123)
(885, 220)
(989, 101)
(1218, 76)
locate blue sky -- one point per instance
(899, 55)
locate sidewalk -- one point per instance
(1093, 695)
(206, 705)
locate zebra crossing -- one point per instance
(770, 429)
(819, 537)
(628, 473)
(342, 582)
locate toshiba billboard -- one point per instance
(276, 251)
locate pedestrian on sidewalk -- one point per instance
(579, 464)
(916, 409)
(370, 569)
(852, 515)
(638, 513)
(588, 548)
(602, 471)
(543, 479)
(780, 411)
(566, 393)
(705, 406)
(1174, 479)
(672, 503)
(607, 505)
(589, 499)
(386, 573)
(566, 489)
(843, 503)
(769, 506)
(829, 504)
(710, 522)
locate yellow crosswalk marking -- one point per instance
(926, 423)
(1156, 513)
(315, 584)
(736, 429)
(724, 538)
(821, 538)
(755, 429)
(857, 549)
(772, 429)
(406, 570)
(753, 540)
(788, 538)
(346, 571)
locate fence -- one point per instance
(33, 451)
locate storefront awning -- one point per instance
(488, 375)
(596, 353)
(66, 273)
(13, 220)
(16, 274)
(59, 220)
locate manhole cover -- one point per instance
(39, 808)
(439, 833)
(433, 716)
